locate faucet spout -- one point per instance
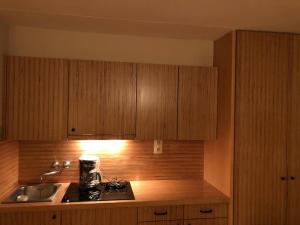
(51, 173)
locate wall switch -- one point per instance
(158, 147)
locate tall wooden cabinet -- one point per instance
(266, 121)
(37, 95)
(293, 135)
(262, 68)
(102, 99)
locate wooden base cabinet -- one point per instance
(215, 221)
(165, 222)
(104, 216)
(30, 218)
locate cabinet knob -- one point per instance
(54, 216)
(293, 178)
(282, 178)
(73, 129)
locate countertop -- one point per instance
(147, 193)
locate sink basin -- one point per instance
(33, 193)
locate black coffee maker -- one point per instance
(90, 175)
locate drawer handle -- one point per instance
(206, 210)
(160, 213)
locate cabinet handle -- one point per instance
(206, 210)
(73, 129)
(293, 178)
(160, 213)
(282, 178)
(54, 216)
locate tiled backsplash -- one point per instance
(133, 160)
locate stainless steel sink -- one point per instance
(33, 193)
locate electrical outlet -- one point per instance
(158, 147)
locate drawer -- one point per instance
(216, 221)
(164, 222)
(205, 211)
(159, 213)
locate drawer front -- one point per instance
(216, 221)
(205, 211)
(164, 222)
(160, 213)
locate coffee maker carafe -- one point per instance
(90, 175)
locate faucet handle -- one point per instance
(66, 164)
(56, 165)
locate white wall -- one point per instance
(3, 52)
(27, 41)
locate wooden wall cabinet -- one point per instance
(197, 103)
(157, 101)
(102, 99)
(30, 218)
(37, 90)
(53, 99)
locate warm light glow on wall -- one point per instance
(107, 147)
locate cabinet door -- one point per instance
(260, 128)
(214, 221)
(105, 216)
(30, 218)
(165, 222)
(102, 99)
(36, 98)
(197, 103)
(157, 101)
(85, 217)
(293, 210)
(84, 96)
(118, 100)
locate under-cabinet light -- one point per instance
(109, 147)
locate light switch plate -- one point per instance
(158, 147)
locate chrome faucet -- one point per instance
(57, 168)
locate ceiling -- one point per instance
(188, 19)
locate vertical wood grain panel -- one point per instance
(157, 101)
(293, 146)
(136, 161)
(118, 102)
(218, 154)
(260, 127)
(36, 98)
(9, 167)
(197, 103)
(84, 96)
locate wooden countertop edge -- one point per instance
(215, 198)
